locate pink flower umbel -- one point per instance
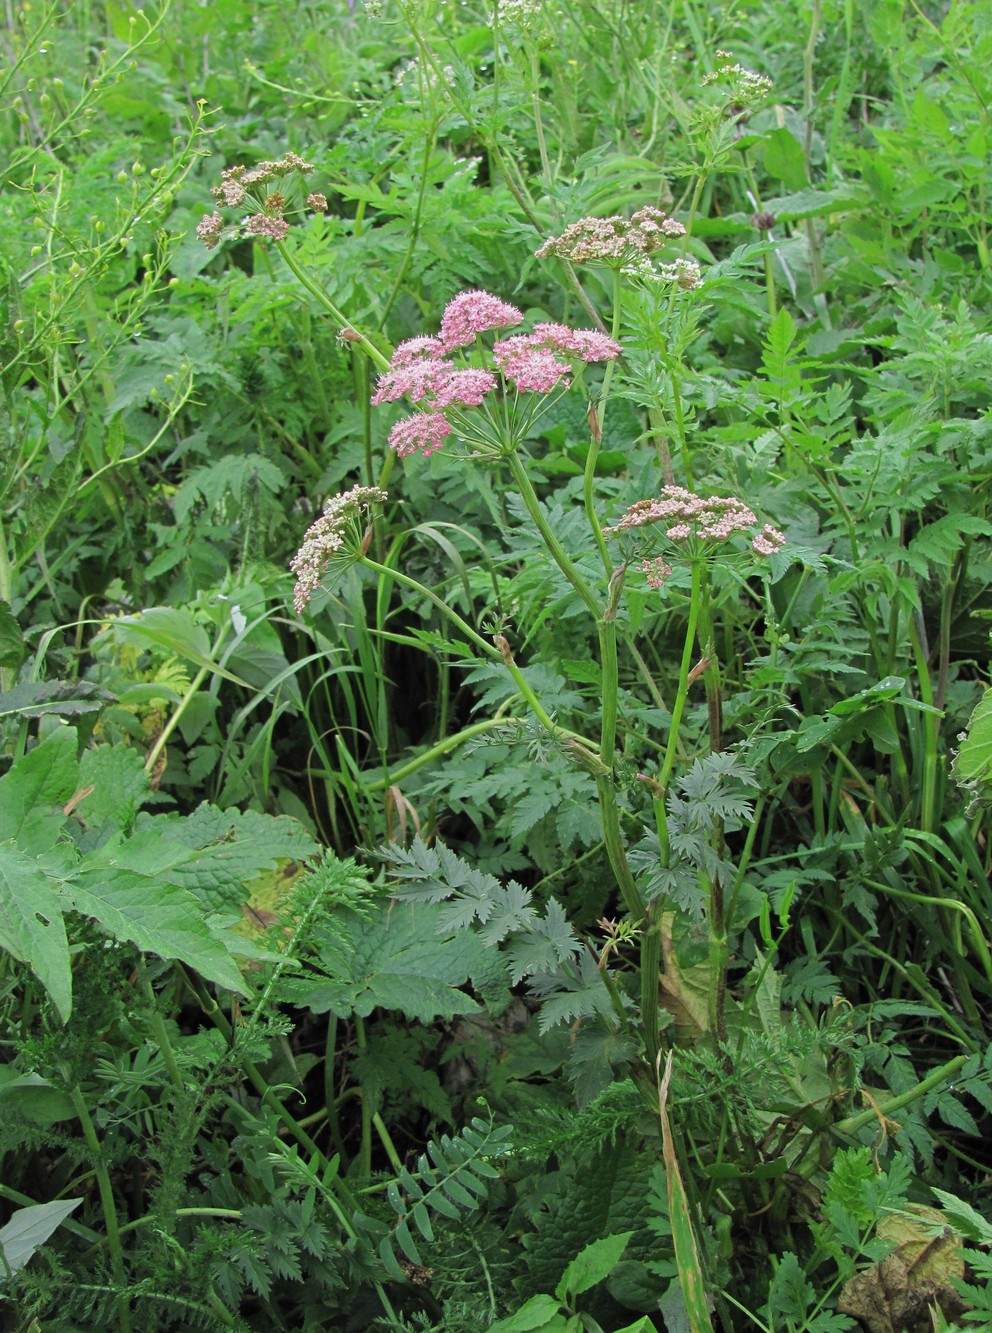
(417, 349)
(470, 313)
(693, 519)
(424, 432)
(613, 240)
(464, 388)
(454, 392)
(531, 368)
(326, 540)
(414, 379)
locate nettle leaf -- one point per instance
(60, 698)
(214, 853)
(116, 774)
(31, 925)
(35, 789)
(155, 916)
(393, 961)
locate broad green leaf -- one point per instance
(31, 925)
(172, 630)
(35, 789)
(972, 765)
(394, 961)
(643, 1325)
(155, 916)
(538, 1313)
(33, 1097)
(13, 649)
(593, 1265)
(61, 698)
(120, 784)
(28, 1230)
(217, 852)
(869, 698)
(785, 159)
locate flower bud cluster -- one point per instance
(422, 371)
(745, 89)
(326, 538)
(613, 240)
(240, 187)
(693, 518)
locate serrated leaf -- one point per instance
(120, 784)
(31, 925)
(156, 917)
(59, 698)
(35, 789)
(394, 961)
(216, 852)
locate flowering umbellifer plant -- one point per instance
(489, 396)
(489, 407)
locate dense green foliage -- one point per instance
(540, 919)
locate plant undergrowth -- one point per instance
(495, 727)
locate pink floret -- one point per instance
(583, 344)
(414, 380)
(424, 432)
(534, 369)
(417, 349)
(464, 388)
(470, 313)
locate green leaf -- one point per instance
(32, 1097)
(31, 925)
(217, 852)
(61, 698)
(785, 159)
(173, 630)
(536, 1314)
(594, 1264)
(28, 1230)
(13, 649)
(869, 698)
(972, 767)
(35, 789)
(120, 785)
(395, 961)
(154, 915)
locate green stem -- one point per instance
(158, 1027)
(365, 1149)
(174, 720)
(106, 1202)
(853, 1123)
(558, 553)
(597, 415)
(316, 291)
